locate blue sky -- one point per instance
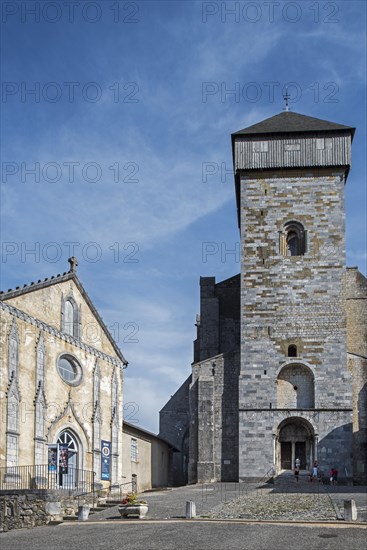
(131, 101)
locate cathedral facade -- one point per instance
(280, 359)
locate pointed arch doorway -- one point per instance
(69, 453)
(295, 439)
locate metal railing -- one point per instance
(119, 492)
(40, 477)
(89, 497)
(269, 475)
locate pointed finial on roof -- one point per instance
(286, 97)
(73, 263)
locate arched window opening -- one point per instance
(292, 351)
(70, 317)
(293, 242)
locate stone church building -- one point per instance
(61, 396)
(60, 387)
(280, 361)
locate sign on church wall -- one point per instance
(106, 460)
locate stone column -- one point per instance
(316, 444)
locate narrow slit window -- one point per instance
(134, 450)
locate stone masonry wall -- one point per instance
(219, 324)
(356, 308)
(214, 428)
(292, 300)
(358, 367)
(174, 417)
(213, 443)
(258, 432)
(174, 425)
(26, 510)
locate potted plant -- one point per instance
(132, 507)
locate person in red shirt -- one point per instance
(333, 476)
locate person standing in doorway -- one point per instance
(314, 470)
(298, 463)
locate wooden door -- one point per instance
(300, 452)
(286, 455)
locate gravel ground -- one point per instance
(264, 504)
(286, 500)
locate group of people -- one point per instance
(314, 474)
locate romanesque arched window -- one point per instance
(295, 388)
(292, 350)
(293, 239)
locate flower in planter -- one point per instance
(132, 498)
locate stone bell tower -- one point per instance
(295, 391)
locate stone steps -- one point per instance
(96, 509)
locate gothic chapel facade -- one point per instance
(60, 386)
(280, 359)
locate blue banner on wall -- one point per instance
(106, 460)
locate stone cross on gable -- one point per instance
(73, 264)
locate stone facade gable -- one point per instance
(47, 299)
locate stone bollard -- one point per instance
(350, 510)
(83, 512)
(190, 509)
(53, 510)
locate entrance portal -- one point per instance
(295, 440)
(68, 460)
